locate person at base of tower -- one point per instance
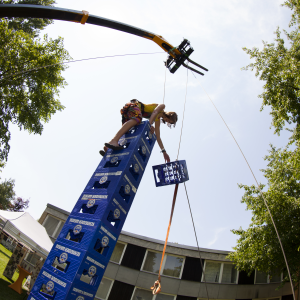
(132, 114)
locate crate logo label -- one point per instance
(88, 197)
(107, 174)
(70, 251)
(114, 159)
(92, 271)
(95, 262)
(117, 214)
(121, 208)
(145, 146)
(50, 286)
(138, 162)
(150, 135)
(108, 233)
(79, 298)
(82, 292)
(119, 154)
(132, 186)
(105, 241)
(90, 203)
(127, 189)
(103, 179)
(144, 150)
(63, 258)
(61, 283)
(77, 229)
(82, 222)
(136, 168)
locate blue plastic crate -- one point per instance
(103, 242)
(76, 293)
(49, 286)
(78, 232)
(90, 238)
(115, 216)
(170, 173)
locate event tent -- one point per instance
(23, 227)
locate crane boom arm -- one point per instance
(177, 55)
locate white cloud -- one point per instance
(217, 234)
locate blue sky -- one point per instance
(55, 167)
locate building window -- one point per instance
(104, 289)
(32, 258)
(140, 294)
(275, 277)
(229, 274)
(152, 262)
(171, 266)
(261, 277)
(212, 271)
(53, 226)
(118, 252)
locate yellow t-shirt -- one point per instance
(149, 108)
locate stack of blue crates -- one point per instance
(76, 264)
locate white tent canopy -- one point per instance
(23, 227)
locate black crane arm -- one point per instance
(177, 55)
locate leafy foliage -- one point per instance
(32, 25)
(258, 246)
(7, 193)
(18, 204)
(28, 98)
(279, 66)
(8, 201)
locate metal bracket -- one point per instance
(185, 51)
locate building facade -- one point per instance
(134, 265)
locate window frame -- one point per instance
(268, 281)
(58, 225)
(221, 272)
(163, 264)
(118, 263)
(26, 256)
(109, 290)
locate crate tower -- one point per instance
(77, 261)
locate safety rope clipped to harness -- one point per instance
(156, 288)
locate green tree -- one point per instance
(258, 246)
(7, 193)
(32, 25)
(279, 67)
(28, 98)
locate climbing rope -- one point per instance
(165, 81)
(196, 241)
(156, 287)
(77, 60)
(260, 191)
(187, 76)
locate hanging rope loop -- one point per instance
(156, 288)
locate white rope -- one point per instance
(187, 73)
(260, 191)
